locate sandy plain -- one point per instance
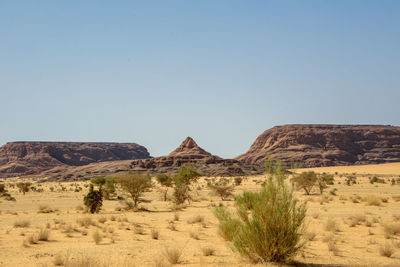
(343, 227)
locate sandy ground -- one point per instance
(356, 237)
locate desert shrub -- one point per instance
(173, 255)
(391, 229)
(23, 187)
(155, 233)
(330, 225)
(93, 200)
(222, 189)
(272, 230)
(43, 235)
(373, 200)
(22, 223)
(386, 250)
(182, 180)
(305, 180)
(135, 185)
(4, 193)
(323, 180)
(350, 180)
(166, 181)
(208, 251)
(238, 181)
(376, 180)
(97, 237)
(44, 208)
(85, 222)
(196, 219)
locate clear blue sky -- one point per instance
(154, 72)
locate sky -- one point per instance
(222, 72)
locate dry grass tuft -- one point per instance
(173, 255)
(386, 250)
(155, 234)
(194, 235)
(208, 251)
(331, 225)
(196, 219)
(22, 223)
(97, 237)
(373, 200)
(43, 235)
(391, 229)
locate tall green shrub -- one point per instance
(273, 227)
(93, 200)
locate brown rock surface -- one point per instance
(326, 145)
(26, 158)
(190, 152)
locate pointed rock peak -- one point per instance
(188, 143)
(189, 147)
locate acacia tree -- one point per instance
(166, 181)
(23, 187)
(305, 180)
(186, 175)
(135, 185)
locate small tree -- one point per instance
(182, 180)
(93, 200)
(135, 185)
(223, 190)
(305, 180)
(166, 181)
(323, 180)
(23, 187)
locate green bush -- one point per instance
(273, 228)
(93, 200)
(186, 175)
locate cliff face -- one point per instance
(326, 145)
(18, 158)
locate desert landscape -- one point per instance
(199, 133)
(348, 225)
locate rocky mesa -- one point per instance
(190, 152)
(25, 158)
(326, 145)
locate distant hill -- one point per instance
(317, 145)
(24, 158)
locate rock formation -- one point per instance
(190, 152)
(326, 145)
(24, 158)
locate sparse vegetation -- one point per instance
(135, 185)
(93, 200)
(272, 230)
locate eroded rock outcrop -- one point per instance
(25, 158)
(326, 145)
(190, 152)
